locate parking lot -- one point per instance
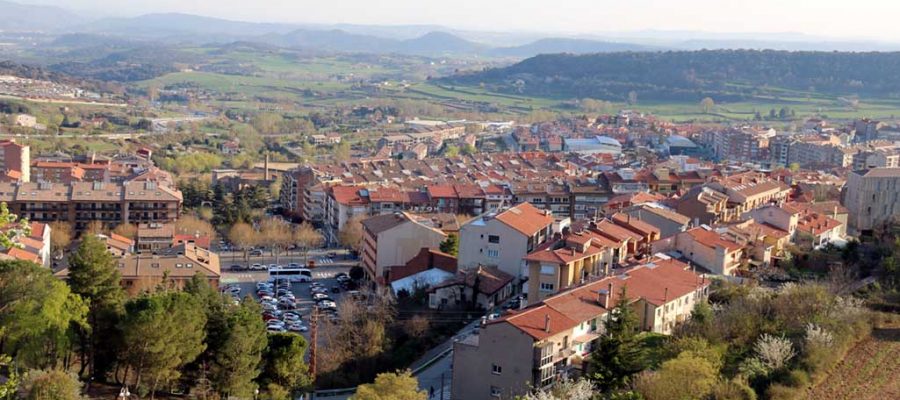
(302, 293)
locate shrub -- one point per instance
(797, 378)
(685, 377)
(782, 392)
(732, 390)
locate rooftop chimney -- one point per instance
(547, 323)
(666, 296)
(603, 296)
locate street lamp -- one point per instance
(255, 393)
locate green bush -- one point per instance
(732, 390)
(797, 378)
(783, 392)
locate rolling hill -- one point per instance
(566, 45)
(32, 18)
(691, 75)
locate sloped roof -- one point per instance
(525, 218)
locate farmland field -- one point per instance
(870, 371)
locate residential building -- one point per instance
(141, 273)
(704, 205)
(153, 237)
(482, 288)
(872, 198)
(669, 223)
(394, 239)
(15, 161)
(710, 250)
(81, 203)
(533, 348)
(31, 242)
(504, 239)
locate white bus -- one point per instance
(291, 274)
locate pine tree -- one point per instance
(93, 276)
(619, 355)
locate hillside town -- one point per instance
(419, 202)
(539, 241)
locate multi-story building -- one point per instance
(740, 145)
(872, 198)
(503, 239)
(15, 159)
(716, 253)
(81, 203)
(392, 240)
(543, 343)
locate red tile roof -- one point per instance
(525, 218)
(712, 239)
(657, 283)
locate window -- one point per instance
(547, 287)
(496, 369)
(548, 270)
(493, 239)
(493, 253)
(495, 391)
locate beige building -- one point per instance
(872, 198)
(710, 250)
(140, 273)
(394, 239)
(543, 343)
(503, 239)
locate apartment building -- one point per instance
(750, 190)
(15, 160)
(704, 205)
(872, 198)
(535, 347)
(568, 261)
(740, 145)
(668, 222)
(392, 240)
(504, 239)
(81, 203)
(708, 249)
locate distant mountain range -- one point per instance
(427, 40)
(26, 17)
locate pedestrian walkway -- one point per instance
(324, 260)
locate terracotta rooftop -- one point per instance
(657, 283)
(525, 218)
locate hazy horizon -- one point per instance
(829, 19)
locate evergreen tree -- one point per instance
(236, 349)
(450, 245)
(94, 277)
(285, 363)
(619, 355)
(162, 332)
(37, 314)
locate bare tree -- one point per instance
(60, 236)
(243, 235)
(351, 236)
(189, 224)
(307, 237)
(277, 234)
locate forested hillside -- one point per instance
(691, 75)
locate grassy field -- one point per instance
(870, 371)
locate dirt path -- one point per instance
(871, 371)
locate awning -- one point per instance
(586, 338)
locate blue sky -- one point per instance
(866, 19)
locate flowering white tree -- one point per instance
(818, 336)
(774, 352)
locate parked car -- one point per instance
(320, 296)
(257, 267)
(297, 328)
(335, 289)
(275, 329)
(256, 253)
(327, 304)
(236, 267)
(291, 317)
